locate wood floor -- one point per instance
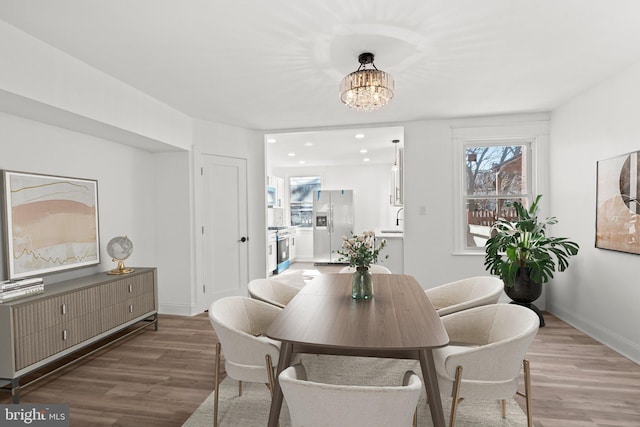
(149, 379)
(576, 381)
(160, 378)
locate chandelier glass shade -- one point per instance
(366, 89)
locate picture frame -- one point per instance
(618, 203)
(50, 223)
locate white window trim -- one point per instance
(288, 191)
(534, 133)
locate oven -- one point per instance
(282, 244)
(283, 249)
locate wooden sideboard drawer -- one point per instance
(47, 312)
(125, 311)
(143, 303)
(126, 288)
(38, 346)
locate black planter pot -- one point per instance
(525, 291)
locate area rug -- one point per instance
(252, 408)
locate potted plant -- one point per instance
(524, 257)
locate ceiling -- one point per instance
(335, 148)
(276, 65)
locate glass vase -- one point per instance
(361, 284)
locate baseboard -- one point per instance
(619, 344)
(176, 309)
(303, 259)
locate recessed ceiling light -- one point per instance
(302, 162)
(271, 140)
(291, 154)
(364, 150)
(308, 144)
(366, 159)
(359, 135)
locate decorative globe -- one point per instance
(120, 248)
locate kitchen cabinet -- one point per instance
(292, 246)
(272, 252)
(394, 249)
(279, 192)
(304, 244)
(276, 185)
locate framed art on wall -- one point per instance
(50, 223)
(618, 203)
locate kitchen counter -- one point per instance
(389, 233)
(394, 248)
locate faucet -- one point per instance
(398, 216)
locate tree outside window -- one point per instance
(495, 178)
(301, 199)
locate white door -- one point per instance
(224, 228)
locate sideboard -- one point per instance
(69, 316)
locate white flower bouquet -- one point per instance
(361, 250)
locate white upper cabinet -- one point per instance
(275, 191)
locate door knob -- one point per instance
(243, 239)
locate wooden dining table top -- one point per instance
(399, 317)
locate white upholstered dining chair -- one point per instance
(464, 294)
(272, 291)
(487, 348)
(240, 324)
(373, 269)
(313, 404)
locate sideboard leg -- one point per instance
(15, 390)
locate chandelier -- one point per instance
(366, 89)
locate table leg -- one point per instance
(284, 360)
(431, 384)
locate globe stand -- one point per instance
(121, 269)
(119, 248)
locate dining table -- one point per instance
(398, 322)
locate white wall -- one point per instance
(44, 83)
(599, 293)
(125, 176)
(174, 233)
(429, 199)
(428, 185)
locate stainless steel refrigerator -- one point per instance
(332, 219)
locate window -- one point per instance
(495, 177)
(301, 199)
(494, 167)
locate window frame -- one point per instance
(319, 177)
(533, 136)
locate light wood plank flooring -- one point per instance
(160, 378)
(576, 381)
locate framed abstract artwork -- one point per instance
(50, 223)
(618, 203)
